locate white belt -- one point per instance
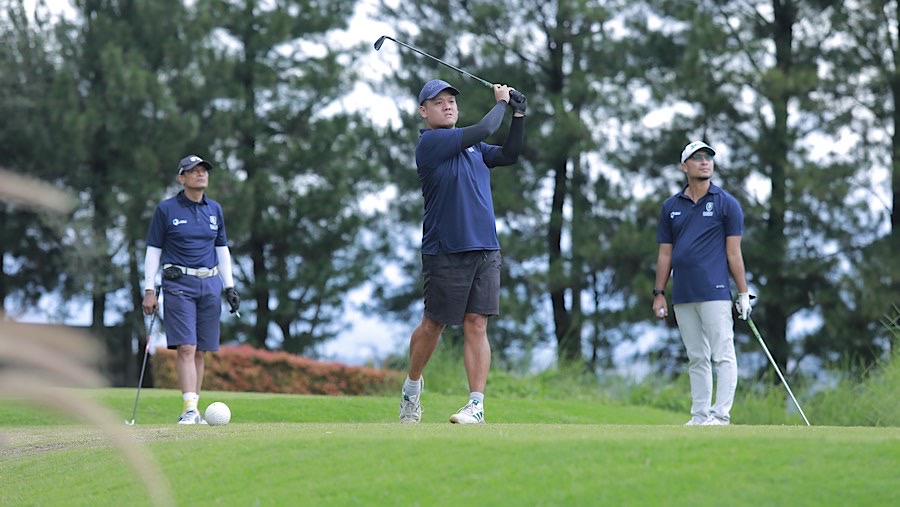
(198, 272)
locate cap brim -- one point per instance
(701, 148)
(202, 162)
(452, 89)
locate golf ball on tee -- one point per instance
(217, 414)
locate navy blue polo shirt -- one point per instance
(188, 232)
(697, 233)
(456, 186)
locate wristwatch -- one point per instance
(658, 292)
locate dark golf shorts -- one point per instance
(461, 283)
(192, 307)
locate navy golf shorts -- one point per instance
(192, 307)
(461, 283)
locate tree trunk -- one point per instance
(775, 324)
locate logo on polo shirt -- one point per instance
(213, 223)
(709, 209)
(177, 222)
(674, 214)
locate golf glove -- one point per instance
(233, 299)
(517, 102)
(743, 305)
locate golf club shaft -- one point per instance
(775, 365)
(144, 364)
(380, 41)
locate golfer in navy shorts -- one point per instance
(187, 237)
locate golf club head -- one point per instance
(379, 42)
(129, 423)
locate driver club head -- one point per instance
(379, 42)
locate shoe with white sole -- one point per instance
(715, 421)
(696, 421)
(191, 417)
(410, 408)
(472, 413)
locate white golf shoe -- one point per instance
(410, 408)
(715, 421)
(696, 421)
(472, 413)
(191, 417)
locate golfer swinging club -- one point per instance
(187, 235)
(460, 249)
(699, 236)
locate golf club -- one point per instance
(380, 42)
(777, 370)
(143, 366)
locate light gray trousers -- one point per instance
(707, 331)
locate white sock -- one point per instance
(412, 387)
(476, 396)
(190, 401)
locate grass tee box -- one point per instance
(319, 450)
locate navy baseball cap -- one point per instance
(433, 88)
(191, 161)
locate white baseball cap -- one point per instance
(694, 147)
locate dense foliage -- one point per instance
(798, 97)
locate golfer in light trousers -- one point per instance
(699, 236)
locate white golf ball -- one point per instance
(217, 414)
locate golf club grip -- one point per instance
(152, 320)
(150, 328)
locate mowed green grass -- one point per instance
(315, 450)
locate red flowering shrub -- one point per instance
(244, 368)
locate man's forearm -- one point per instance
(515, 140)
(487, 126)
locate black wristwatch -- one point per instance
(658, 292)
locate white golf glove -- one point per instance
(743, 305)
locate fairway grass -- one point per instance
(311, 450)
